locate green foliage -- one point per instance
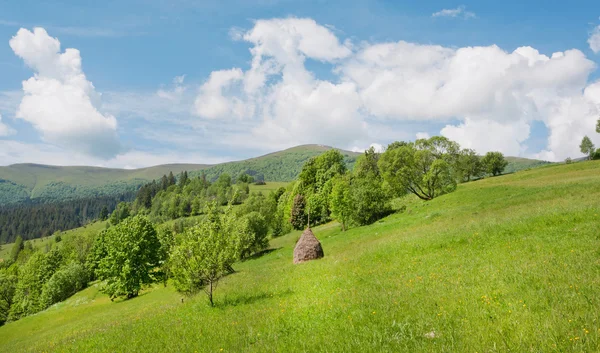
(340, 201)
(259, 230)
(32, 277)
(598, 126)
(298, 218)
(63, 284)
(494, 163)
(422, 168)
(103, 216)
(587, 147)
(245, 178)
(208, 250)
(120, 213)
(568, 160)
(132, 257)
(8, 282)
(469, 165)
(16, 248)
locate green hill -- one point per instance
(503, 264)
(23, 182)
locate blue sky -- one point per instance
(140, 114)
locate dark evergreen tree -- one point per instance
(103, 216)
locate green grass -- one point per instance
(510, 263)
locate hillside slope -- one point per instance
(23, 182)
(508, 263)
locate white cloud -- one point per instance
(422, 135)
(494, 94)
(379, 148)
(175, 94)
(58, 100)
(4, 129)
(457, 12)
(594, 40)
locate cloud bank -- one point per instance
(494, 95)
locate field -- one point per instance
(510, 263)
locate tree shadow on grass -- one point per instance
(261, 254)
(250, 299)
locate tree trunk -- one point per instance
(210, 294)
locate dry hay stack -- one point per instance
(307, 248)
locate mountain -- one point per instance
(24, 182)
(34, 182)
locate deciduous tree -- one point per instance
(494, 163)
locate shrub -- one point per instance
(63, 284)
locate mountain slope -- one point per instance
(26, 182)
(503, 264)
(23, 182)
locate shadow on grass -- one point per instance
(250, 299)
(261, 254)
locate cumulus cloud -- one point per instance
(494, 94)
(59, 101)
(460, 12)
(176, 92)
(594, 40)
(422, 135)
(4, 129)
(379, 148)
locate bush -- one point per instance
(63, 284)
(568, 160)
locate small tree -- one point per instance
(132, 257)
(120, 213)
(469, 165)
(568, 160)
(103, 216)
(587, 147)
(341, 201)
(16, 248)
(298, 217)
(208, 250)
(598, 126)
(494, 163)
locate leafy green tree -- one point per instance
(245, 178)
(132, 257)
(8, 284)
(421, 168)
(298, 217)
(32, 277)
(257, 240)
(63, 284)
(494, 163)
(469, 165)
(598, 126)
(587, 147)
(318, 170)
(120, 213)
(208, 250)
(568, 160)
(341, 201)
(16, 248)
(97, 252)
(103, 216)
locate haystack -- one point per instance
(307, 248)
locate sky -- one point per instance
(134, 83)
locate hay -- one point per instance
(307, 248)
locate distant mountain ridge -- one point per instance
(21, 183)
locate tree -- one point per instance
(120, 213)
(183, 179)
(598, 126)
(421, 168)
(587, 147)
(341, 201)
(171, 179)
(208, 250)
(16, 248)
(8, 283)
(494, 163)
(63, 284)
(132, 257)
(469, 165)
(245, 178)
(298, 217)
(103, 214)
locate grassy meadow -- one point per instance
(504, 264)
